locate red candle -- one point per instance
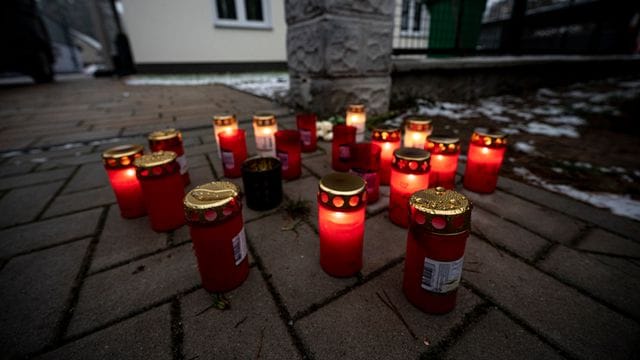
(486, 152)
(223, 123)
(233, 149)
(171, 140)
(214, 215)
(264, 129)
(440, 223)
(366, 163)
(444, 160)
(341, 211)
(162, 188)
(343, 137)
(357, 117)
(288, 151)
(307, 127)
(409, 173)
(388, 138)
(118, 161)
(416, 130)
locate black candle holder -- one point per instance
(262, 180)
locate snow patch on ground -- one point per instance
(524, 147)
(621, 205)
(566, 119)
(539, 128)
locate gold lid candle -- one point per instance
(409, 173)
(445, 150)
(264, 130)
(224, 123)
(486, 152)
(416, 130)
(171, 140)
(357, 117)
(118, 162)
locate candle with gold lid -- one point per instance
(439, 228)
(214, 214)
(357, 117)
(162, 188)
(486, 152)
(118, 162)
(416, 130)
(409, 173)
(388, 138)
(171, 140)
(223, 123)
(445, 150)
(264, 130)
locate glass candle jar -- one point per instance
(388, 138)
(306, 124)
(486, 152)
(416, 131)
(118, 162)
(214, 214)
(223, 123)
(262, 182)
(357, 117)
(409, 173)
(343, 137)
(288, 152)
(341, 211)
(233, 149)
(264, 129)
(162, 188)
(440, 223)
(445, 151)
(366, 164)
(171, 140)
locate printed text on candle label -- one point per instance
(240, 247)
(344, 152)
(284, 159)
(441, 276)
(227, 160)
(182, 161)
(305, 136)
(264, 142)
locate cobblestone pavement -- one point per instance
(544, 276)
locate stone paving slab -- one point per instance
(24, 204)
(601, 241)
(88, 176)
(384, 242)
(68, 203)
(32, 179)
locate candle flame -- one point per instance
(485, 150)
(416, 136)
(131, 172)
(387, 145)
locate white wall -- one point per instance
(182, 31)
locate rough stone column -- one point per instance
(339, 52)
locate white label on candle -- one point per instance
(227, 160)
(441, 276)
(182, 161)
(305, 136)
(264, 142)
(240, 247)
(344, 152)
(284, 160)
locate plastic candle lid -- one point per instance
(121, 156)
(155, 159)
(212, 202)
(488, 138)
(386, 133)
(411, 160)
(340, 191)
(442, 144)
(356, 108)
(417, 123)
(164, 134)
(224, 120)
(441, 210)
(264, 119)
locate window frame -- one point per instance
(424, 20)
(242, 22)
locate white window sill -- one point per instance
(231, 24)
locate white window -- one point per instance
(414, 20)
(252, 14)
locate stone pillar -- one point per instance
(339, 53)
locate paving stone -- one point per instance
(319, 166)
(34, 178)
(145, 336)
(383, 242)
(382, 203)
(250, 329)
(124, 239)
(497, 230)
(16, 167)
(208, 148)
(579, 325)
(292, 261)
(497, 337)
(116, 293)
(89, 176)
(197, 160)
(308, 155)
(305, 189)
(24, 204)
(67, 203)
(548, 223)
(200, 175)
(613, 280)
(360, 326)
(81, 136)
(33, 236)
(602, 241)
(48, 164)
(35, 289)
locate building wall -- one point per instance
(183, 31)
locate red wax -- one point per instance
(163, 199)
(174, 144)
(288, 152)
(221, 267)
(341, 236)
(233, 151)
(441, 248)
(402, 187)
(343, 137)
(365, 162)
(385, 159)
(443, 170)
(128, 193)
(483, 165)
(307, 127)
